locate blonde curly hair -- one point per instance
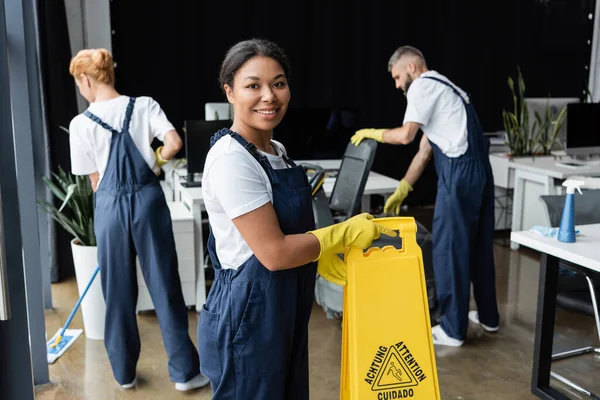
(94, 63)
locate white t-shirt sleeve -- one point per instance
(236, 184)
(158, 121)
(421, 101)
(82, 154)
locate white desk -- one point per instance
(536, 176)
(325, 164)
(183, 231)
(585, 254)
(504, 178)
(192, 198)
(585, 251)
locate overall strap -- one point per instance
(254, 151)
(288, 161)
(218, 135)
(262, 160)
(478, 144)
(249, 147)
(447, 84)
(97, 120)
(106, 126)
(128, 113)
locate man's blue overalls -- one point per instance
(253, 329)
(132, 218)
(463, 230)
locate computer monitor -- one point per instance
(583, 130)
(218, 111)
(317, 132)
(539, 104)
(197, 145)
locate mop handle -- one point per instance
(79, 301)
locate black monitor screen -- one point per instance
(317, 133)
(583, 125)
(197, 141)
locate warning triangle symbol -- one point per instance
(394, 373)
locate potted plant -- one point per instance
(76, 216)
(524, 139)
(546, 131)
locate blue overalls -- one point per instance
(253, 329)
(463, 230)
(132, 218)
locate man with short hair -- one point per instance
(463, 222)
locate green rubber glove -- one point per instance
(359, 231)
(392, 205)
(370, 133)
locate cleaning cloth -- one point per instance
(69, 337)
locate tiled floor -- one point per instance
(487, 367)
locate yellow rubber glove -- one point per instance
(159, 160)
(359, 231)
(370, 133)
(392, 205)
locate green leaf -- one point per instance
(90, 232)
(521, 83)
(560, 119)
(58, 192)
(76, 213)
(70, 190)
(62, 179)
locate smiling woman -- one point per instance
(260, 99)
(253, 329)
(260, 96)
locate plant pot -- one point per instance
(93, 307)
(532, 155)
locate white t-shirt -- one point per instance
(440, 112)
(233, 184)
(90, 143)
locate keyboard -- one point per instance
(193, 184)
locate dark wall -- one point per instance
(171, 50)
(60, 107)
(339, 53)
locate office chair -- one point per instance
(349, 187)
(345, 202)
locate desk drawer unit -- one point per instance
(183, 230)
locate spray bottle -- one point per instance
(566, 232)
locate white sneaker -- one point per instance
(196, 382)
(474, 318)
(440, 337)
(130, 385)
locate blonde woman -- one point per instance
(110, 142)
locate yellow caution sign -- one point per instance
(387, 347)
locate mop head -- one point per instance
(67, 341)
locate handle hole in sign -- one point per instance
(385, 240)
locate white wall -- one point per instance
(89, 27)
(594, 80)
(97, 24)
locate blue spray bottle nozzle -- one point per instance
(566, 232)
